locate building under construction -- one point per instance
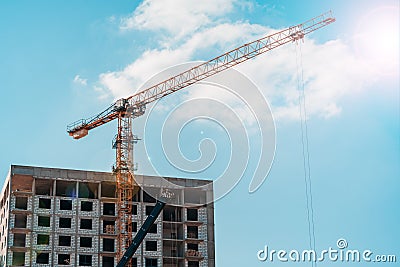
(52, 217)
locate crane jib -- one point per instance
(225, 61)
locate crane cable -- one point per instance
(305, 146)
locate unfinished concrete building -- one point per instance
(52, 217)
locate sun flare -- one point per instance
(377, 39)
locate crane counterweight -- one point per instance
(79, 133)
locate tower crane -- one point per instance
(126, 109)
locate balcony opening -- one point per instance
(19, 240)
(86, 242)
(86, 206)
(109, 209)
(172, 248)
(18, 258)
(193, 264)
(42, 258)
(44, 187)
(134, 209)
(85, 260)
(88, 190)
(44, 203)
(20, 220)
(108, 261)
(64, 223)
(191, 246)
(65, 204)
(108, 190)
(151, 262)
(86, 224)
(134, 262)
(43, 239)
(192, 215)
(108, 244)
(153, 229)
(21, 183)
(64, 259)
(64, 240)
(172, 214)
(193, 232)
(65, 188)
(44, 221)
(172, 231)
(149, 209)
(151, 245)
(21, 203)
(109, 227)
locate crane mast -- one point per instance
(126, 109)
(125, 182)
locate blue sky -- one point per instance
(62, 61)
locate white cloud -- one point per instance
(331, 70)
(102, 93)
(128, 81)
(177, 17)
(79, 80)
